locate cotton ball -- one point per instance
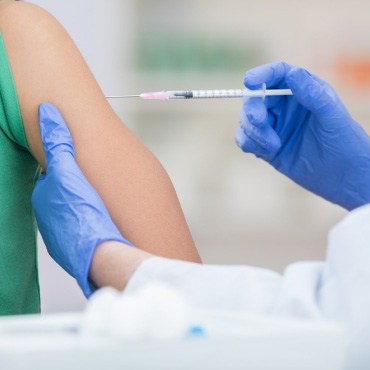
(165, 313)
(97, 315)
(126, 318)
(155, 312)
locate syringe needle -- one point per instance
(122, 96)
(156, 95)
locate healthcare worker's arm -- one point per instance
(310, 136)
(47, 66)
(72, 218)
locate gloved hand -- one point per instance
(71, 216)
(310, 136)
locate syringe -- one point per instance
(206, 94)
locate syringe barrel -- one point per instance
(207, 94)
(231, 93)
(214, 94)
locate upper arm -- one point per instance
(47, 66)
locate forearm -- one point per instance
(114, 263)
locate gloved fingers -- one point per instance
(257, 112)
(41, 177)
(273, 74)
(274, 101)
(248, 145)
(35, 194)
(55, 135)
(263, 136)
(314, 94)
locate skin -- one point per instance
(137, 191)
(114, 263)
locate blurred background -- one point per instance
(239, 209)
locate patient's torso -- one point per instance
(19, 290)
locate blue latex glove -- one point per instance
(71, 216)
(310, 136)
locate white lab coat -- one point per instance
(337, 289)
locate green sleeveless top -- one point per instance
(19, 288)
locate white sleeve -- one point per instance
(212, 286)
(239, 288)
(345, 289)
(336, 290)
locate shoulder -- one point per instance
(25, 23)
(30, 33)
(15, 13)
(45, 63)
(48, 67)
(21, 16)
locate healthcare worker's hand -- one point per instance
(310, 136)
(71, 216)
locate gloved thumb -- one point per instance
(54, 132)
(314, 94)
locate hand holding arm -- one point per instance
(71, 216)
(310, 136)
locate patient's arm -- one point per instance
(114, 264)
(139, 195)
